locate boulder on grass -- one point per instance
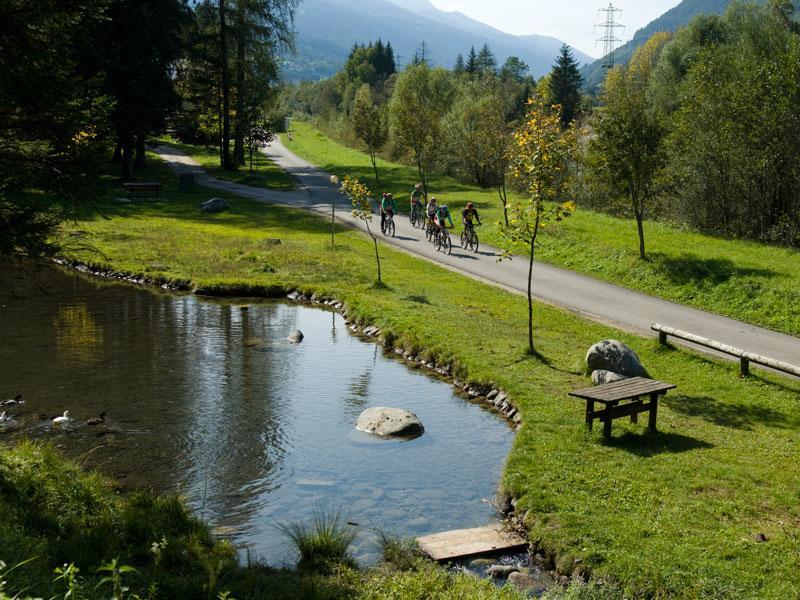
(614, 356)
(215, 205)
(602, 377)
(389, 422)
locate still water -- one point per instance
(209, 400)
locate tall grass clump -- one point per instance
(401, 553)
(323, 543)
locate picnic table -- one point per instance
(137, 188)
(622, 399)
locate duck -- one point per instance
(4, 417)
(15, 400)
(97, 420)
(62, 420)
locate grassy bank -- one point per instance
(747, 281)
(61, 528)
(677, 514)
(264, 173)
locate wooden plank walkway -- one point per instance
(462, 543)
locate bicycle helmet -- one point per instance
(418, 186)
(470, 205)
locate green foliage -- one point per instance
(324, 543)
(565, 86)
(370, 125)
(360, 195)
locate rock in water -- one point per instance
(215, 205)
(602, 377)
(296, 336)
(614, 356)
(389, 422)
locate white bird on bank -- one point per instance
(4, 418)
(62, 420)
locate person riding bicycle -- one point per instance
(388, 207)
(468, 214)
(442, 216)
(417, 199)
(432, 207)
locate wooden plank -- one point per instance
(461, 543)
(622, 390)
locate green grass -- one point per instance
(672, 514)
(323, 543)
(748, 281)
(264, 173)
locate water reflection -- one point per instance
(211, 401)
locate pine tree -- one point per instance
(565, 85)
(459, 68)
(391, 65)
(472, 62)
(486, 62)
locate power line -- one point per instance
(609, 38)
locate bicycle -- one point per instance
(417, 218)
(430, 229)
(442, 241)
(388, 227)
(469, 238)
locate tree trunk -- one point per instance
(127, 156)
(637, 210)
(238, 145)
(117, 157)
(227, 165)
(139, 162)
(530, 283)
(504, 200)
(377, 255)
(374, 160)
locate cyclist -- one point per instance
(467, 216)
(416, 199)
(388, 207)
(432, 207)
(442, 216)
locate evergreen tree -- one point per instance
(565, 85)
(391, 65)
(460, 68)
(486, 63)
(472, 62)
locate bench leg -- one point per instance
(635, 416)
(653, 412)
(589, 411)
(608, 418)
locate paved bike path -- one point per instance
(592, 298)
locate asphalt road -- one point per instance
(596, 300)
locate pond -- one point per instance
(209, 400)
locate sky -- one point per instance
(571, 21)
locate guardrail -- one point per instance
(745, 358)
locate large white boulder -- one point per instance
(389, 422)
(614, 356)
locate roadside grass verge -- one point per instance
(264, 174)
(744, 280)
(677, 514)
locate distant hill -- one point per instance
(328, 29)
(671, 21)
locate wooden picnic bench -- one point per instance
(136, 188)
(611, 395)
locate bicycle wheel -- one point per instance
(429, 231)
(447, 243)
(437, 241)
(474, 242)
(390, 229)
(464, 239)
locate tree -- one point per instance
(565, 85)
(421, 97)
(472, 61)
(259, 134)
(514, 69)
(459, 68)
(359, 195)
(629, 135)
(539, 153)
(370, 126)
(486, 63)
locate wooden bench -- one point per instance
(137, 189)
(611, 395)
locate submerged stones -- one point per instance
(614, 356)
(390, 422)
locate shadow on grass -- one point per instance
(690, 268)
(651, 444)
(728, 414)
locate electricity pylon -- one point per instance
(609, 27)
